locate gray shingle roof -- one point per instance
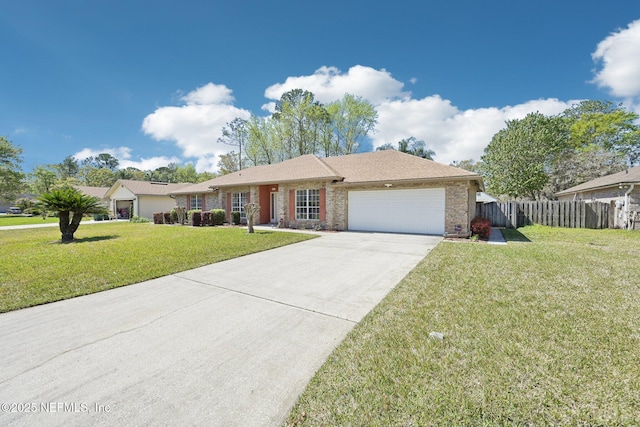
(377, 166)
(147, 188)
(631, 175)
(99, 192)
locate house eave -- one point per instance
(478, 179)
(600, 187)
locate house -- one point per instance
(621, 189)
(386, 191)
(143, 197)
(98, 192)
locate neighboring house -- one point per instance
(483, 197)
(386, 191)
(622, 189)
(98, 192)
(143, 196)
(4, 206)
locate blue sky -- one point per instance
(153, 82)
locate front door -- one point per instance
(273, 208)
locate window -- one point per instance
(307, 204)
(238, 200)
(196, 202)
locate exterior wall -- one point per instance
(457, 220)
(146, 206)
(460, 200)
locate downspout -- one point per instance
(626, 205)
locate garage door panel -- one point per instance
(399, 211)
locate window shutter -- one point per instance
(292, 205)
(204, 205)
(188, 201)
(228, 207)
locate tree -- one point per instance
(251, 210)
(263, 142)
(228, 163)
(99, 177)
(163, 173)
(469, 165)
(71, 205)
(604, 126)
(130, 173)
(68, 168)
(236, 134)
(42, 179)
(353, 119)
(410, 146)
(577, 166)
(187, 173)
(300, 118)
(102, 160)
(518, 159)
(11, 176)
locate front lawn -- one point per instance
(35, 268)
(545, 332)
(6, 220)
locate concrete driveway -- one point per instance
(232, 343)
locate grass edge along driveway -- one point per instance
(539, 333)
(36, 269)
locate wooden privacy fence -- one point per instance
(553, 213)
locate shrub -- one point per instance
(235, 218)
(206, 218)
(167, 218)
(481, 227)
(157, 217)
(219, 216)
(196, 218)
(189, 215)
(140, 219)
(174, 216)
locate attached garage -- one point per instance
(420, 211)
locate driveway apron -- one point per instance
(231, 343)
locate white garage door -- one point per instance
(398, 211)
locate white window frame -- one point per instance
(238, 200)
(195, 202)
(308, 204)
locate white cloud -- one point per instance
(452, 133)
(328, 84)
(196, 126)
(619, 55)
(123, 154)
(209, 94)
(120, 153)
(150, 163)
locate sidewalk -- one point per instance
(496, 237)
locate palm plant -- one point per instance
(71, 205)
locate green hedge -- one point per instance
(219, 216)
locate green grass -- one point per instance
(35, 268)
(545, 332)
(6, 220)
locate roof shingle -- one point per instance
(631, 175)
(377, 166)
(147, 188)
